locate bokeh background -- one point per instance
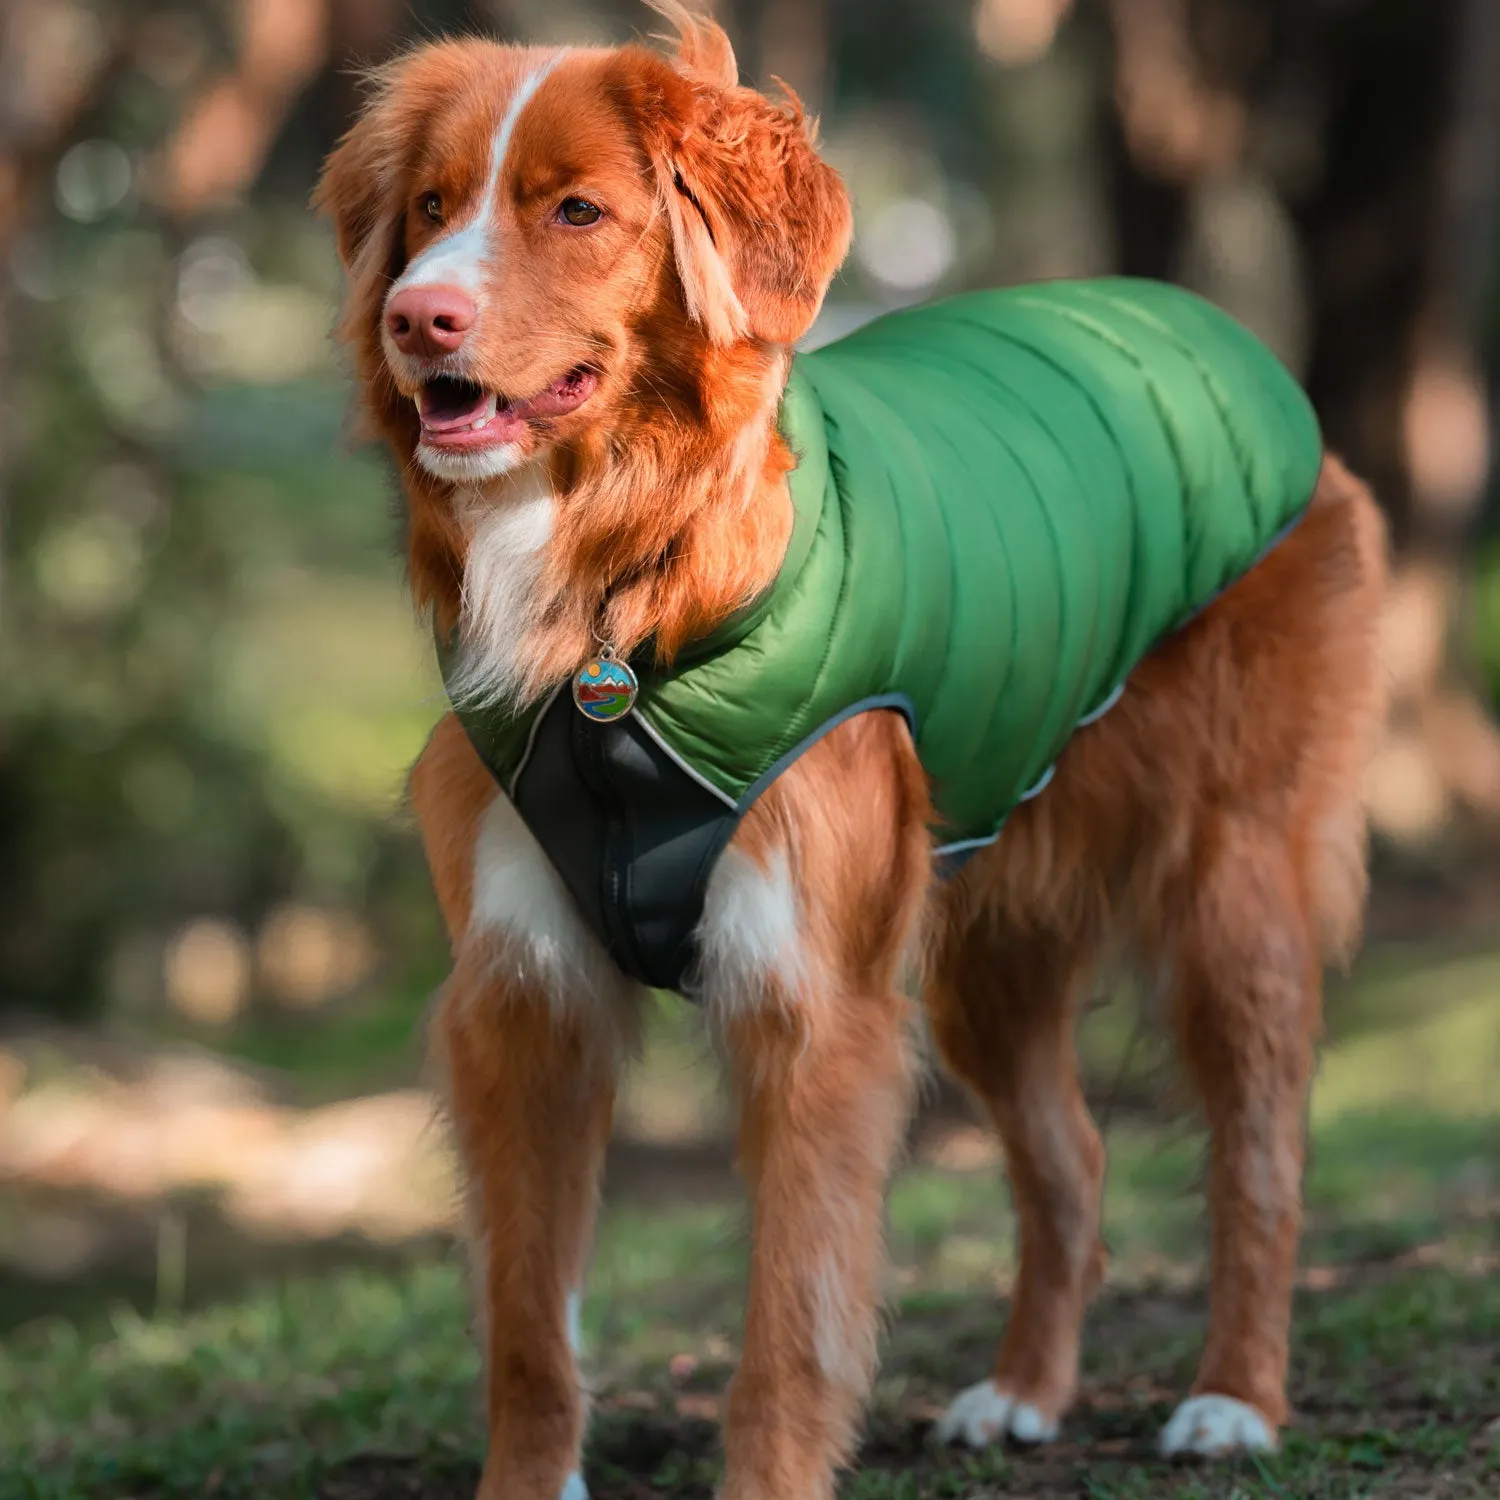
(216, 936)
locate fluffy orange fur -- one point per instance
(730, 228)
(1209, 827)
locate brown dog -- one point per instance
(637, 240)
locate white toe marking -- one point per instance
(574, 1488)
(1028, 1425)
(983, 1415)
(976, 1417)
(1211, 1425)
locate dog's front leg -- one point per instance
(532, 1026)
(810, 917)
(824, 1100)
(531, 1093)
(801, 983)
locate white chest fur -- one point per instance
(509, 525)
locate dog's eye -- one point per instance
(578, 212)
(432, 206)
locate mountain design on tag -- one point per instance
(604, 690)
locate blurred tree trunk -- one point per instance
(1374, 127)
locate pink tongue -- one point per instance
(444, 405)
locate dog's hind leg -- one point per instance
(1247, 990)
(530, 1030)
(1002, 1013)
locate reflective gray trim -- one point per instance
(682, 765)
(901, 702)
(541, 713)
(1039, 786)
(965, 846)
(1103, 708)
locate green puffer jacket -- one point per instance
(1003, 501)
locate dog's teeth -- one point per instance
(480, 425)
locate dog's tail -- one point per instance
(1339, 864)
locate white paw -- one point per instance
(574, 1488)
(983, 1414)
(1207, 1426)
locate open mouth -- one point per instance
(460, 414)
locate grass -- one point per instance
(357, 1384)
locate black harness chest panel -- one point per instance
(633, 836)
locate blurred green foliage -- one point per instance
(210, 681)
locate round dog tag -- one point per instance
(604, 689)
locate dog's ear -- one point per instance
(760, 222)
(359, 186)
